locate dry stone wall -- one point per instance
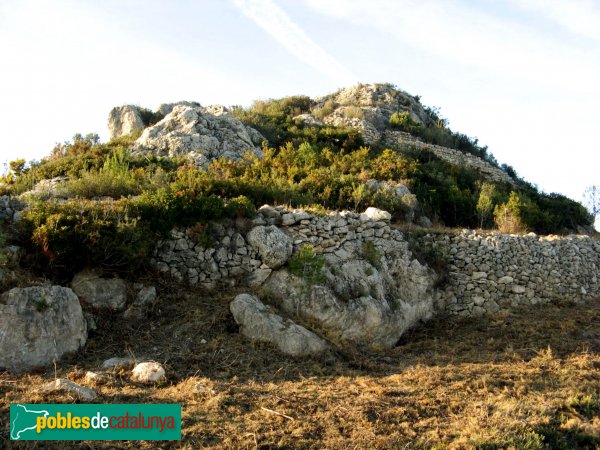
(457, 158)
(487, 272)
(230, 259)
(9, 208)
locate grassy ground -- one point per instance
(530, 379)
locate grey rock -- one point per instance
(124, 121)
(258, 323)
(166, 108)
(49, 188)
(269, 212)
(200, 134)
(359, 304)
(272, 244)
(146, 296)
(519, 289)
(506, 280)
(94, 377)
(68, 386)
(100, 293)
(258, 277)
(398, 193)
(145, 299)
(38, 325)
(148, 372)
(375, 214)
(288, 219)
(117, 363)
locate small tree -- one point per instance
(17, 166)
(485, 203)
(508, 215)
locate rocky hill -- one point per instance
(196, 132)
(298, 202)
(205, 254)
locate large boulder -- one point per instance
(38, 325)
(375, 214)
(125, 120)
(199, 133)
(395, 194)
(100, 293)
(368, 108)
(52, 187)
(167, 108)
(272, 244)
(367, 301)
(259, 324)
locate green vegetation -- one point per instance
(117, 204)
(438, 133)
(307, 265)
(371, 254)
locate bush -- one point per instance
(114, 179)
(403, 121)
(164, 209)
(307, 265)
(72, 235)
(149, 117)
(240, 207)
(371, 254)
(508, 215)
(327, 108)
(353, 112)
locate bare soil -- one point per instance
(526, 380)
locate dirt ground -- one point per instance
(527, 380)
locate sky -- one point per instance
(520, 75)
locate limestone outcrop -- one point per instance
(125, 120)
(100, 293)
(38, 325)
(258, 323)
(372, 288)
(368, 109)
(273, 245)
(200, 134)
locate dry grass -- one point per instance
(527, 380)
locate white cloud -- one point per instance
(581, 17)
(456, 32)
(278, 24)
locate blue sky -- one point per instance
(521, 75)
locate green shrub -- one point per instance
(327, 108)
(307, 265)
(353, 112)
(114, 179)
(241, 207)
(78, 233)
(371, 254)
(164, 209)
(149, 117)
(403, 121)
